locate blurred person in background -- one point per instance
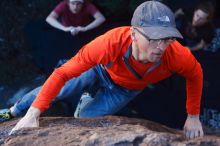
(197, 26)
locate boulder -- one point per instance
(103, 131)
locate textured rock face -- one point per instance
(106, 131)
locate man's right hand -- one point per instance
(68, 29)
(73, 30)
(31, 119)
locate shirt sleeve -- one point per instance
(91, 9)
(59, 9)
(99, 51)
(184, 63)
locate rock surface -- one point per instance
(106, 131)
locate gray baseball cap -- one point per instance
(156, 19)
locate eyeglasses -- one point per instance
(167, 40)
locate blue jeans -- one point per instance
(108, 96)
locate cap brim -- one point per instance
(162, 32)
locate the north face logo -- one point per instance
(164, 19)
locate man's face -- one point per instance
(149, 50)
(199, 18)
(75, 6)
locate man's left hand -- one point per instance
(193, 127)
(81, 29)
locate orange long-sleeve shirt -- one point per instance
(111, 47)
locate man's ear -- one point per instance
(133, 38)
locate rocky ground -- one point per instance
(106, 131)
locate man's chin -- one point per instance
(155, 60)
